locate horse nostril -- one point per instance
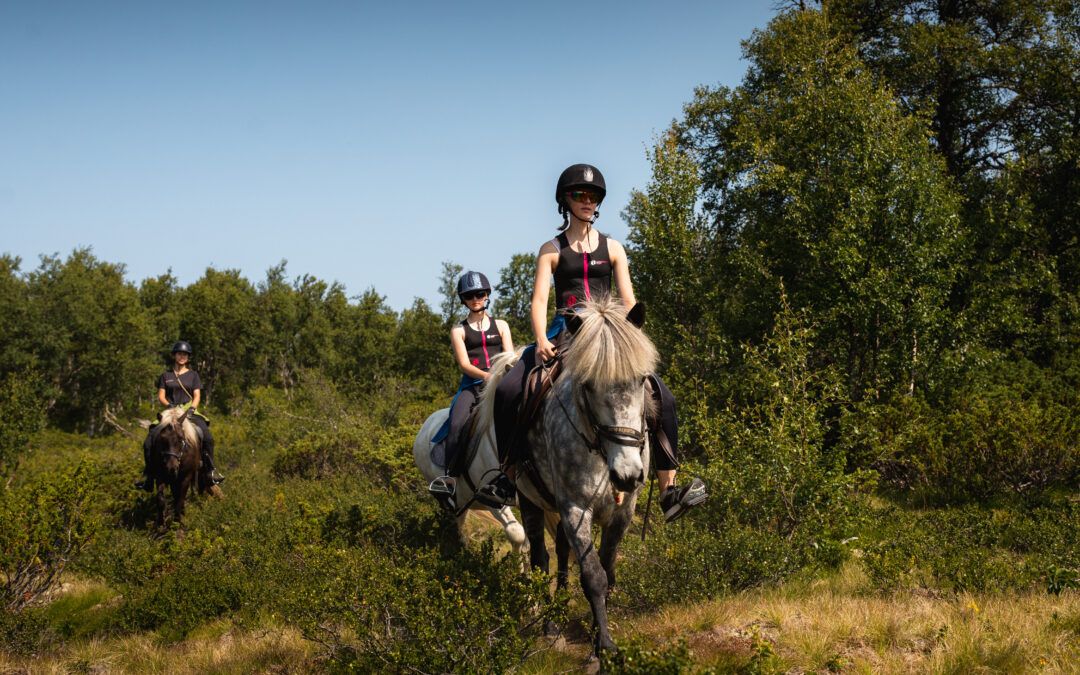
(641, 477)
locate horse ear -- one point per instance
(573, 322)
(636, 315)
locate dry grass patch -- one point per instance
(220, 650)
(829, 625)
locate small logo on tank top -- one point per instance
(597, 262)
(572, 300)
(476, 362)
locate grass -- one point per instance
(833, 624)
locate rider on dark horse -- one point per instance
(584, 264)
(475, 342)
(181, 386)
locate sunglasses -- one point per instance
(585, 197)
(473, 295)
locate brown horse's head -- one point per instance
(178, 442)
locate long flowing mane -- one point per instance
(172, 415)
(607, 349)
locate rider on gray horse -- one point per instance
(475, 342)
(584, 263)
(181, 386)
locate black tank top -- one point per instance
(581, 276)
(481, 347)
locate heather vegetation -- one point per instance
(862, 269)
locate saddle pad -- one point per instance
(438, 455)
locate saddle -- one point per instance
(539, 382)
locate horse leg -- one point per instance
(160, 504)
(562, 557)
(514, 532)
(532, 517)
(577, 523)
(609, 544)
(180, 496)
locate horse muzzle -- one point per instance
(626, 482)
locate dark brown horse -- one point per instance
(175, 461)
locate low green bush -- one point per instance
(1008, 429)
(973, 548)
(43, 526)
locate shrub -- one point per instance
(1008, 429)
(43, 526)
(974, 548)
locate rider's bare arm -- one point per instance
(504, 332)
(161, 398)
(196, 396)
(461, 355)
(546, 261)
(621, 268)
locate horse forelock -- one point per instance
(171, 416)
(607, 349)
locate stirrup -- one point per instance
(216, 478)
(677, 501)
(498, 493)
(146, 484)
(443, 489)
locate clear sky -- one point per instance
(364, 142)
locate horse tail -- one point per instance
(500, 366)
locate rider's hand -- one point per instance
(545, 351)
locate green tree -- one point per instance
(450, 304)
(22, 413)
(21, 330)
(366, 340)
(97, 341)
(514, 295)
(423, 346)
(160, 296)
(219, 318)
(997, 81)
(811, 175)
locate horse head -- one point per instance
(608, 359)
(173, 441)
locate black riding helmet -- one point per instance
(182, 346)
(472, 281)
(578, 176)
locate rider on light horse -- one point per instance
(475, 342)
(584, 263)
(181, 386)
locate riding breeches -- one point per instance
(457, 439)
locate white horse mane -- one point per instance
(607, 349)
(172, 416)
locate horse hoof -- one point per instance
(215, 491)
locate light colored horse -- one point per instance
(482, 469)
(589, 445)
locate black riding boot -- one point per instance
(208, 458)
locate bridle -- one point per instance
(183, 445)
(624, 436)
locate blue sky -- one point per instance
(363, 142)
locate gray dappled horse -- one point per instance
(483, 468)
(589, 446)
